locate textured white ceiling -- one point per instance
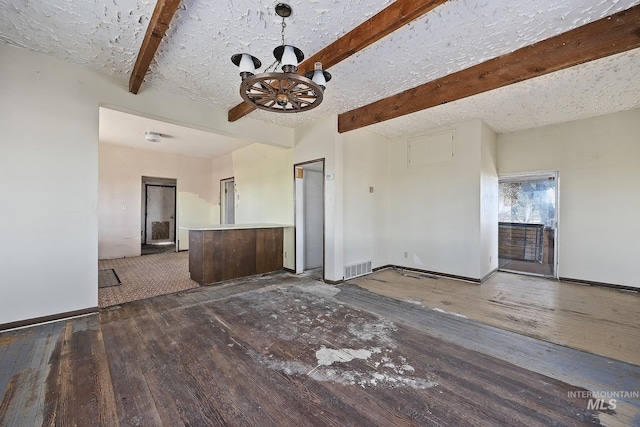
(121, 128)
(194, 59)
(599, 87)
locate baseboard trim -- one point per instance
(494, 271)
(435, 273)
(384, 267)
(599, 284)
(46, 319)
(491, 273)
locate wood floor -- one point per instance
(599, 320)
(542, 269)
(285, 350)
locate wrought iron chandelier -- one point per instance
(286, 91)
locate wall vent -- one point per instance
(355, 270)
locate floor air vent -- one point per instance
(355, 270)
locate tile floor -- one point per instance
(108, 278)
(146, 276)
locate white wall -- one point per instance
(442, 215)
(264, 184)
(599, 186)
(319, 140)
(488, 201)
(49, 182)
(434, 210)
(265, 190)
(222, 168)
(49, 187)
(366, 232)
(119, 196)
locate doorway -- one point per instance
(227, 201)
(159, 215)
(528, 224)
(309, 218)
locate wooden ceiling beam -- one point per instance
(160, 20)
(393, 17)
(608, 36)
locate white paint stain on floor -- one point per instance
(439, 310)
(370, 378)
(378, 376)
(327, 356)
(362, 354)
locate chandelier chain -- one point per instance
(283, 27)
(275, 63)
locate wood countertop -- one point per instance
(237, 226)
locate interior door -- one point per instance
(160, 221)
(309, 217)
(313, 219)
(227, 201)
(527, 227)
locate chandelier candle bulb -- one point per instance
(246, 64)
(318, 76)
(289, 57)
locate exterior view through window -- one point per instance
(527, 224)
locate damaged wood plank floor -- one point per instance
(599, 320)
(279, 350)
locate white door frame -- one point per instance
(174, 234)
(224, 201)
(299, 217)
(533, 176)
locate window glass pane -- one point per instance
(528, 202)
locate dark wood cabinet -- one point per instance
(222, 254)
